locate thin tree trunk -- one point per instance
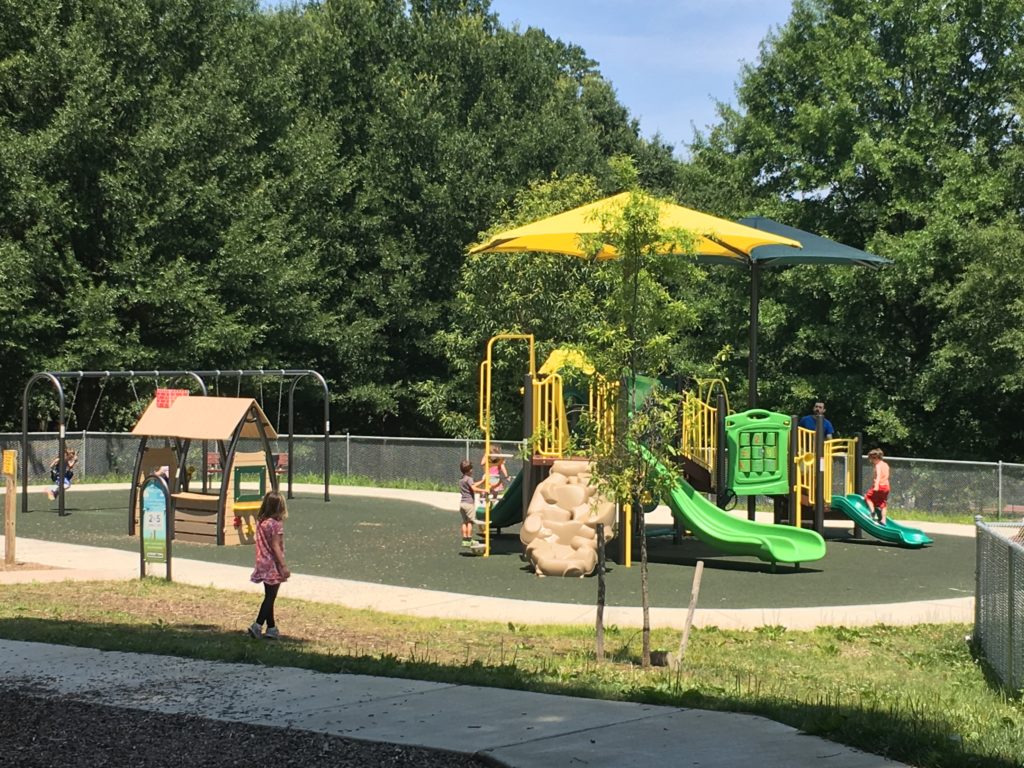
(645, 595)
(599, 630)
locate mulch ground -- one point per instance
(42, 732)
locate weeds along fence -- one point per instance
(999, 600)
(938, 488)
(107, 456)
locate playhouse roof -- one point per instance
(203, 418)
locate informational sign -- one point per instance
(155, 524)
(10, 459)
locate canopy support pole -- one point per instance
(755, 290)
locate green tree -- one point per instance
(894, 126)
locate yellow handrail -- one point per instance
(485, 418)
(840, 447)
(699, 431)
(804, 474)
(550, 427)
(706, 390)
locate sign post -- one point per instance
(10, 468)
(155, 525)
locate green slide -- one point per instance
(736, 536)
(508, 510)
(856, 508)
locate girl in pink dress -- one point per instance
(271, 568)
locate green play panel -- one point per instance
(416, 545)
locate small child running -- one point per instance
(271, 568)
(878, 497)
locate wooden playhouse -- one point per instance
(232, 482)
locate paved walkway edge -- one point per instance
(509, 728)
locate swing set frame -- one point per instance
(56, 380)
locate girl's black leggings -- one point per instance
(266, 613)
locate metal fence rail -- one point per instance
(938, 488)
(999, 600)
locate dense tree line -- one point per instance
(211, 184)
(205, 184)
(895, 126)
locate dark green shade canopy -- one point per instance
(816, 249)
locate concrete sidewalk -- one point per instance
(510, 728)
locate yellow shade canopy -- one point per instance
(560, 358)
(714, 237)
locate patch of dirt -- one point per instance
(42, 732)
(22, 566)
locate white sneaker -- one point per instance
(272, 634)
(256, 631)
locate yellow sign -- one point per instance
(10, 459)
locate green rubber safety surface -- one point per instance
(417, 545)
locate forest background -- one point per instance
(210, 184)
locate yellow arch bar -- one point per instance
(484, 417)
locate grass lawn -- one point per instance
(914, 694)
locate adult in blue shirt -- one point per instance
(810, 421)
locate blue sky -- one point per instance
(669, 60)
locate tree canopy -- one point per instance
(214, 184)
(894, 126)
(189, 184)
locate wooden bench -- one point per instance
(213, 466)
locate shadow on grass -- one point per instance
(903, 733)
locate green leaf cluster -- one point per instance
(892, 126)
(211, 184)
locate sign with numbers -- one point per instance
(155, 524)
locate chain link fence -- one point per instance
(106, 456)
(937, 488)
(940, 488)
(999, 600)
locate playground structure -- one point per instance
(220, 515)
(753, 453)
(563, 535)
(548, 431)
(715, 459)
(56, 380)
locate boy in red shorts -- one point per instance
(878, 496)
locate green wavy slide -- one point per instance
(508, 510)
(737, 536)
(856, 508)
